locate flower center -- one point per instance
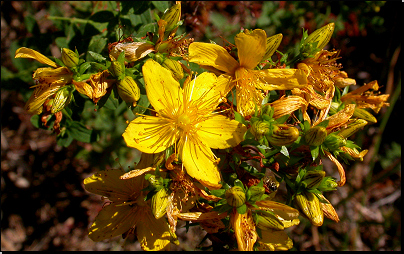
(184, 122)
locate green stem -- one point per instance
(72, 20)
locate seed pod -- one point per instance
(267, 220)
(310, 205)
(256, 193)
(175, 68)
(235, 196)
(363, 114)
(315, 136)
(69, 58)
(62, 98)
(128, 90)
(159, 203)
(334, 141)
(313, 178)
(352, 127)
(117, 70)
(321, 35)
(259, 129)
(283, 135)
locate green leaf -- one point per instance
(284, 151)
(83, 67)
(239, 118)
(62, 42)
(79, 132)
(160, 5)
(282, 119)
(314, 150)
(218, 193)
(323, 123)
(242, 209)
(97, 57)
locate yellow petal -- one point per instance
(341, 170)
(107, 183)
(163, 91)
(212, 55)
(150, 134)
(284, 211)
(112, 221)
(244, 229)
(84, 88)
(49, 75)
(287, 105)
(152, 234)
(200, 162)
(202, 91)
(39, 96)
(133, 51)
(274, 240)
(30, 53)
(341, 117)
(219, 132)
(281, 79)
(251, 48)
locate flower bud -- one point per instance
(235, 196)
(313, 178)
(352, 127)
(283, 135)
(256, 193)
(322, 36)
(175, 68)
(159, 203)
(327, 184)
(334, 108)
(172, 16)
(315, 136)
(117, 70)
(128, 90)
(69, 58)
(273, 43)
(259, 129)
(267, 220)
(334, 141)
(62, 98)
(363, 114)
(310, 205)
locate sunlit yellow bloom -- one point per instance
(48, 80)
(185, 119)
(251, 48)
(367, 99)
(127, 210)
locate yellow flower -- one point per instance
(251, 46)
(48, 80)
(185, 119)
(127, 210)
(244, 229)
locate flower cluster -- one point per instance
(216, 146)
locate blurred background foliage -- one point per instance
(43, 203)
